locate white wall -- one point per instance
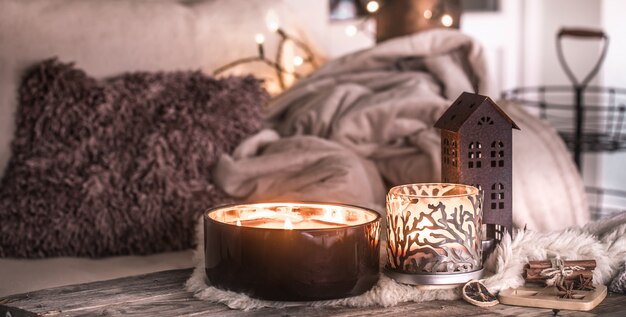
(542, 20)
(614, 74)
(500, 34)
(529, 27)
(551, 16)
(330, 37)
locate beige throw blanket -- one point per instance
(364, 122)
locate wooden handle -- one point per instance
(575, 32)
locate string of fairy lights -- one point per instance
(285, 67)
(288, 68)
(439, 13)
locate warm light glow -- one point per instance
(351, 30)
(298, 60)
(259, 38)
(288, 224)
(296, 216)
(238, 223)
(428, 14)
(446, 20)
(424, 218)
(272, 21)
(334, 215)
(372, 6)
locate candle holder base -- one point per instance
(434, 278)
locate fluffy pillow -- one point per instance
(120, 166)
(107, 38)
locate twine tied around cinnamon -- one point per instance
(558, 272)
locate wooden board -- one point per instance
(547, 297)
(163, 294)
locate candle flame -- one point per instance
(288, 225)
(334, 215)
(238, 223)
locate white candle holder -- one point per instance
(434, 233)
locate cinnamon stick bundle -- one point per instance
(532, 271)
(587, 264)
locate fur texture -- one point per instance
(618, 285)
(603, 241)
(121, 166)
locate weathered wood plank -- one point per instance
(163, 294)
(96, 294)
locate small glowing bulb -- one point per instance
(238, 223)
(259, 38)
(288, 224)
(446, 20)
(298, 60)
(271, 21)
(372, 6)
(351, 30)
(428, 14)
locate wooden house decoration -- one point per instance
(476, 149)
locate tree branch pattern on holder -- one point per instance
(436, 239)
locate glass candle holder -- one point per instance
(434, 233)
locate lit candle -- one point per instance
(433, 229)
(295, 216)
(292, 251)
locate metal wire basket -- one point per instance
(605, 202)
(603, 113)
(588, 118)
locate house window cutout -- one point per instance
(453, 153)
(497, 196)
(447, 153)
(497, 154)
(485, 121)
(499, 232)
(474, 155)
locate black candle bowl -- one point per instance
(292, 251)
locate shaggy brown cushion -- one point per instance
(121, 166)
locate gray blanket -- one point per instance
(358, 123)
(365, 121)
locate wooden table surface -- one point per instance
(163, 294)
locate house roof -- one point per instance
(463, 107)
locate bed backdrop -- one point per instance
(365, 121)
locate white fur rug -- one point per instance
(604, 241)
